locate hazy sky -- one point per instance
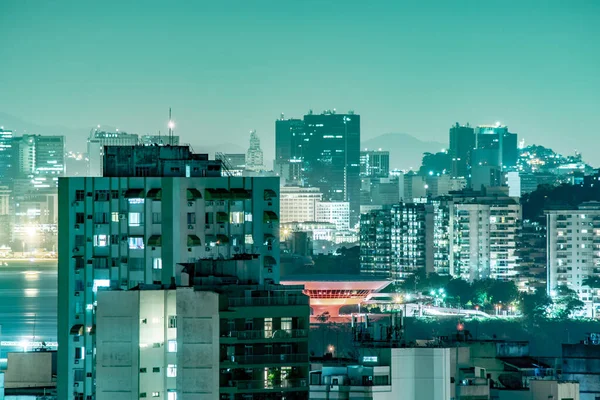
(230, 66)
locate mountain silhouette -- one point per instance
(406, 151)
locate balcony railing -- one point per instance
(262, 384)
(262, 334)
(268, 359)
(268, 301)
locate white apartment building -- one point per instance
(335, 212)
(299, 204)
(483, 232)
(154, 208)
(573, 250)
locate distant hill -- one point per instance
(406, 151)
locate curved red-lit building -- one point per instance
(328, 293)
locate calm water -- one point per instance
(28, 301)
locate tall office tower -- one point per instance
(154, 208)
(462, 142)
(483, 232)
(98, 140)
(7, 167)
(375, 163)
(218, 335)
(148, 140)
(495, 146)
(335, 212)
(24, 156)
(50, 157)
(254, 156)
(573, 248)
(332, 157)
(289, 138)
(299, 204)
(397, 241)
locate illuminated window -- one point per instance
(100, 240)
(136, 242)
(157, 263)
(172, 346)
(114, 216)
(135, 219)
(171, 394)
(248, 217)
(249, 239)
(237, 217)
(155, 394)
(171, 371)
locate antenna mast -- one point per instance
(170, 128)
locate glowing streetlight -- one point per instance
(331, 348)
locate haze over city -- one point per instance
(229, 67)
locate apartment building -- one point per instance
(299, 204)
(154, 208)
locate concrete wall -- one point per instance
(29, 370)
(543, 390)
(421, 374)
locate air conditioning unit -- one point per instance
(269, 247)
(77, 226)
(76, 249)
(122, 216)
(75, 203)
(190, 226)
(236, 248)
(190, 204)
(207, 248)
(270, 270)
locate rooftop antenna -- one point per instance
(171, 126)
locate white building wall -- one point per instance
(335, 212)
(299, 204)
(421, 374)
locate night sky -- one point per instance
(230, 66)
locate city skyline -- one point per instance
(400, 68)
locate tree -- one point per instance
(567, 303)
(460, 289)
(535, 306)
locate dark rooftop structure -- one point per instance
(158, 161)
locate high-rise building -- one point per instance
(299, 204)
(289, 138)
(218, 335)
(495, 146)
(254, 156)
(98, 139)
(331, 157)
(397, 241)
(155, 208)
(7, 162)
(375, 163)
(335, 212)
(483, 229)
(462, 142)
(573, 247)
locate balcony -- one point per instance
(282, 334)
(261, 385)
(267, 359)
(268, 301)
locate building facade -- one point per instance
(214, 340)
(335, 212)
(462, 142)
(97, 140)
(155, 207)
(573, 251)
(484, 231)
(375, 163)
(254, 157)
(299, 204)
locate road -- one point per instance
(28, 301)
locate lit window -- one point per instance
(248, 217)
(100, 240)
(114, 217)
(157, 263)
(172, 346)
(135, 219)
(155, 394)
(171, 371)
(136, 201)
(100, 283)
(237, 217)
(171, 394)
(136, 242)
(249, 239)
